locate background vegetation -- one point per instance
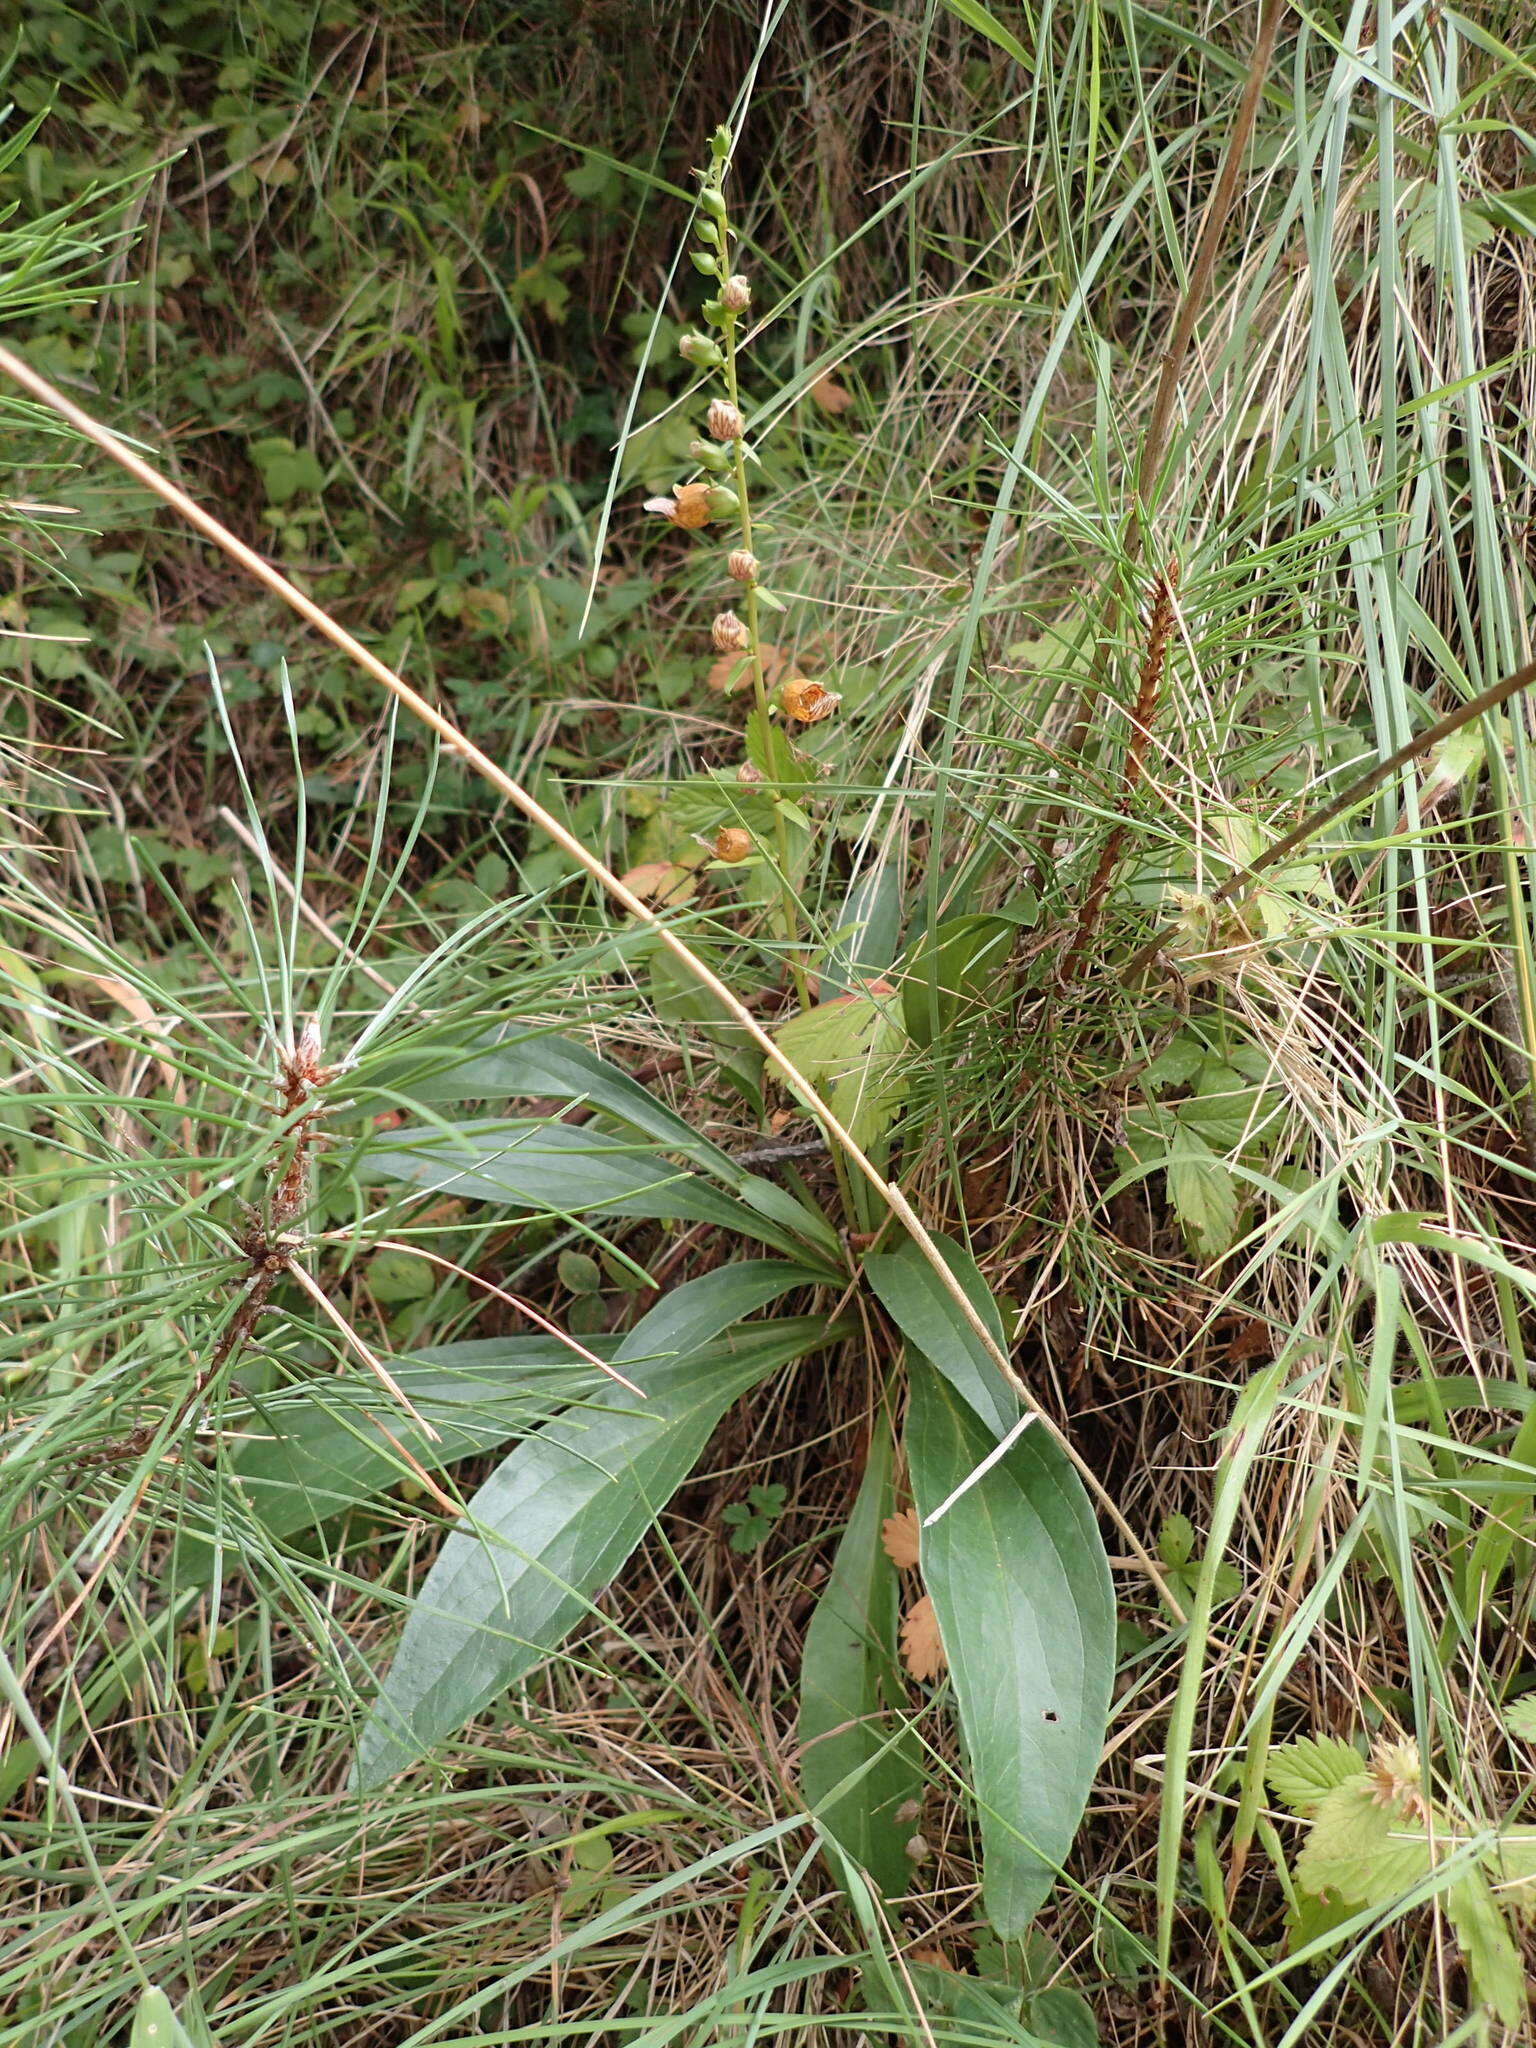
(396, 293)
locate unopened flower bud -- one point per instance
(742, 565)
(732, 844)
(712, 199)
(749, 772)
(728, 633)
(725, 422)
(807, 702)
(699, 350)
(710, 455)
(736, 294)
(722, 502)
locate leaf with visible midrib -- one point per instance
(549, 1529)
(850, 1697)
(1018, 1576)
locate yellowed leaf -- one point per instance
(922, 1647)
(660, 882)
(831, 396)
(898, 1533)
(733, 671)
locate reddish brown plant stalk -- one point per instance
(1149, 686)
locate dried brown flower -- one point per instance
(922, 1647)
(689, 506)
(733, 844)
(736, 294)
(728, 633)
(807, 702)
(742, 565)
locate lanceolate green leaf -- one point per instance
(1020, 1585)
(316, 1452)
(155, 2024)
(567, 1170)
(547, 1532)
(546, 1064)
(857, 1766)
(986, 23)
(911, 1295)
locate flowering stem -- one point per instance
(788, 917)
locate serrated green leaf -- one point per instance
(1020, 1585)
(1063, 2018)
(1202, 1192)
(851, 1707)
(1300, 1773)
(1494, 1969)
(1363, 1851)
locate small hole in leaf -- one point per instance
(1050, 1715)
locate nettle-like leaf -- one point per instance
(1176, 1548)
(1367, 1850)
(1302, 1772)
(1203, 1192)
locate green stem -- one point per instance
(788, 915)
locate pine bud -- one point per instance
(728, 633)
(699, 350)
(725, 422)
(736, 294)
(732, 844)
(742, 565)
(806, 702)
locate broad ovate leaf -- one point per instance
(851, 1048)
(1020, 1585)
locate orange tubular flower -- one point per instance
(688, 506)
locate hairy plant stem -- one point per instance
(789, 921)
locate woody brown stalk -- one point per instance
(1149, 687)
(267, 1249)
(1159, 427)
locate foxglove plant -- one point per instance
(723, 493)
